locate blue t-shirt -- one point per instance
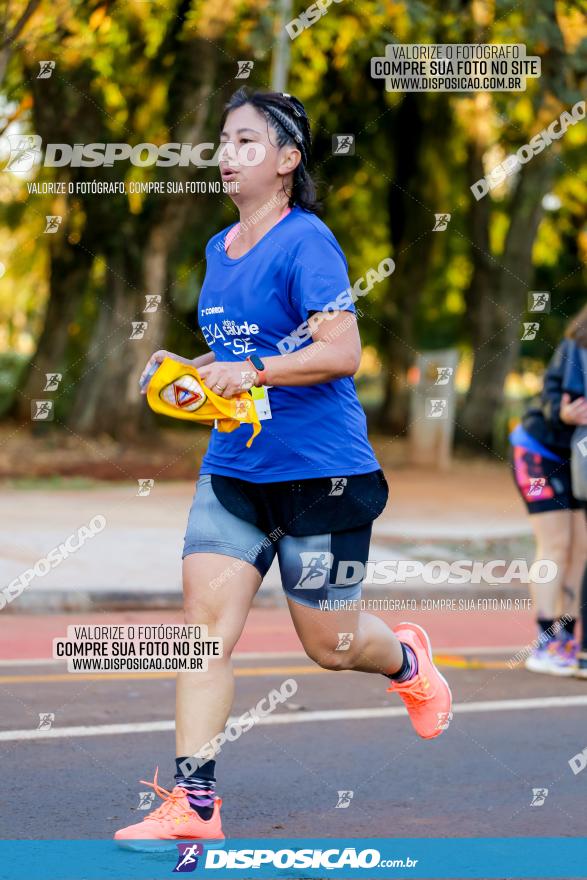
(248, 305)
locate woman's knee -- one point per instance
(221, 608)
(556, 547)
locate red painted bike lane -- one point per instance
(270, 630)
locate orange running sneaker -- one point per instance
(173, 820)
(426, 696)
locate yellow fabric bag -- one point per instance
(176, 390)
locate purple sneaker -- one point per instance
(553, 658)
(567, 649)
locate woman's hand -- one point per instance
(574, 413)
(154, 361)
(227, 379)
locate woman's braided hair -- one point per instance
(288, 119)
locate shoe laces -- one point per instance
(172, 800)
(414, 691)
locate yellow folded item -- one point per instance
(177, 390)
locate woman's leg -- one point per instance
(220, 581)
(560, 538)
(581, 671)
(204, 699)
(577, 558)
(553, 531)
(322, 577)
(369, 644)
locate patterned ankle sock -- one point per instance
(200, 787)
(409, 667)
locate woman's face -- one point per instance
(252, 140)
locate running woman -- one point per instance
(542, 473)
(308, 488)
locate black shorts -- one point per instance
(320, 571)
(543, 483)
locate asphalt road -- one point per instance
(282, 779)
(512, 732)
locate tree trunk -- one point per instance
(70, 268)
(500, 296)
(108, 399)
(412, 253)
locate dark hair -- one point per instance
(287, 117)
(577, 328)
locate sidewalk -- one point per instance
(472, 512)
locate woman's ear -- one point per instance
(290, 160)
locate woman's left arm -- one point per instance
(335, 352)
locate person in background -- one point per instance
(541, 449)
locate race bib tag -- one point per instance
(261, 400)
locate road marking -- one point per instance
(237, 655)
(297, 718)
(240, 672)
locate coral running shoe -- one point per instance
(173, 820)
(426, 696)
